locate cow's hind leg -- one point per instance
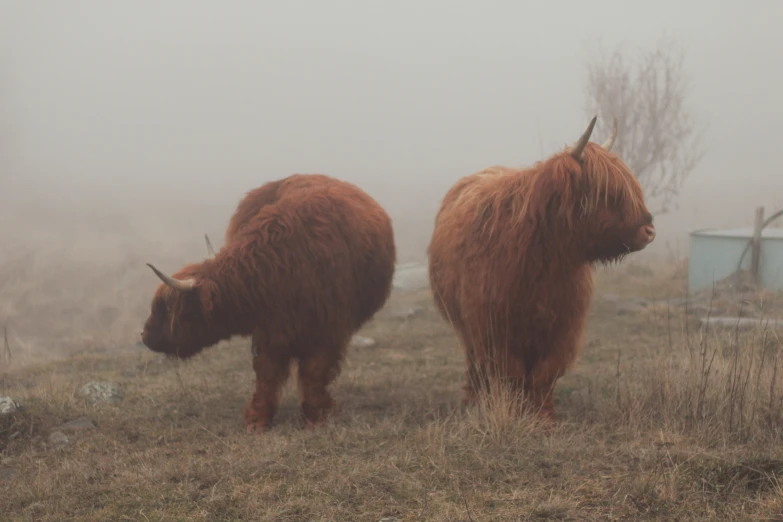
(316, 372)
(272, 371)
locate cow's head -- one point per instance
(180, 323)
(610, 214)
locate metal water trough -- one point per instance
(715, 254)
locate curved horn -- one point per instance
(608, 143)
(176, 284)
(576, 149)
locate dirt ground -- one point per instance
(659, 420)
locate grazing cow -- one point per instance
(306, 262)
(511, 255)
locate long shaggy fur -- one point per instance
(510, 262)
(307, 261)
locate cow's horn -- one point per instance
(608, 143)
(176, 284)
(576, 149)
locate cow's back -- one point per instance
(329, 248)
(455, 240)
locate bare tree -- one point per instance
(657, 136)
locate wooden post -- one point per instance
(756, 248)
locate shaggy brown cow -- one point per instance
(510, 261)
(307, 261)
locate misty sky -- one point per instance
(206, 100)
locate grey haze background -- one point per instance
(175, 109)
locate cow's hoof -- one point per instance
(257, 427)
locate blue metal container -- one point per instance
(714, 255)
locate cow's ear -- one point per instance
(208, 294)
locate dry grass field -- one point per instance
(659, 419)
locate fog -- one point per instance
(172, 111)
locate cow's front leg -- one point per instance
(272, 371)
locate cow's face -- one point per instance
(616, 219)
(610, 218)
(179, 324)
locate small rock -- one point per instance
(102, 391)
(675, 301)
(643, 303)
(362, 342)
(389, 519)
(7, 473)
(58, 439)
(629, 309)
(82, 423)
(404, 313)
(8, 406)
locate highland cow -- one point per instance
(511, 257)
(307, 261)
